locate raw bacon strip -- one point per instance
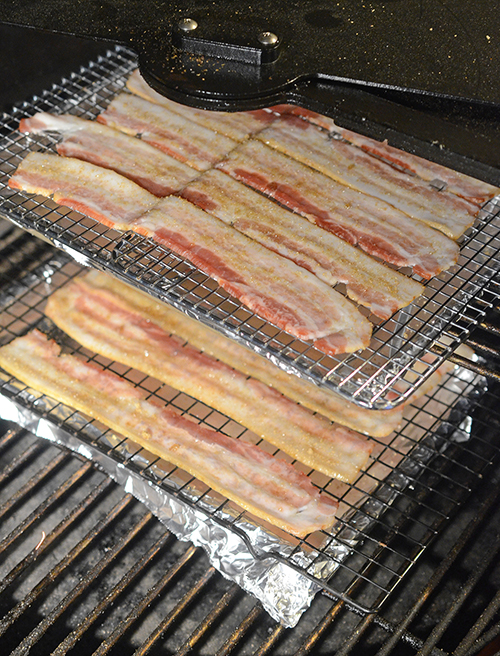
(157, 172)
(352, 167)
(99, 193)
(377, 423)
(275, 288)
(333, 260)
(235, 125)
(109, 325)
(268, 284)
(374, 225)
(473, 190)
(266, 486)
(176, 135)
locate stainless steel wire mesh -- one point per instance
(404, 350)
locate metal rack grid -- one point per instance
(416, 479)
(404, 351)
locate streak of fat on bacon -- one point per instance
(375, 226)
(266, 486)
(275, 288)
(353, 167)
(376, 423)
(186, 141)
(98, 144)
(97, 192)
(333, 260)
(107, 324)
(235, 125)
(471, 189)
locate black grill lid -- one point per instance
(357, 61)
(236, 55)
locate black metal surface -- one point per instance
(376, 67)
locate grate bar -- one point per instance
(70, 641)
(244, 626)
(21, 460)
(34, 636)
(174, 614)
(458, 601)
(55, 533)
(471, 643)
(17, 610)
(45, 506)
(37, 478)
(109, 642)
(221, 606)
(10, 435)
(472, 528)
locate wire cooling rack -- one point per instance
(404, 351)
(415, 481)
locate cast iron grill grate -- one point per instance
(404, 351)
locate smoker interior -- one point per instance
(86, 569)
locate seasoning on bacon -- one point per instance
(374, 225)
(377, 423)
(235, 125)
(270, 285)
(353, 167)
(97, 192)
(149, 167)
(331, 259)
(107, 324)
(169, 131)
(260, 483)
(471, 189)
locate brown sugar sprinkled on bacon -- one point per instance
(107, 324)
(98, 144)
(272, 286)
(333, 260)
(260, 483)
(374, 225)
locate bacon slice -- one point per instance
(272, 286)
(377, 227)
(109, 325)
(266, 486)
(97, 192)
(268, 284)
(235, 125)
(472, 190)
(333, 260)
(150, 168)
(377, 423)
(352, 167)
(169, 131)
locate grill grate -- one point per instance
(386, 373)
(418, 477)
(78, 590)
